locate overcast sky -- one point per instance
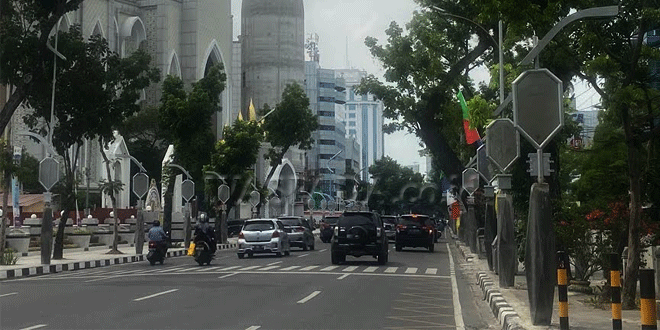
(342, 22)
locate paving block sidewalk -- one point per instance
(77, 258)
(511, 305)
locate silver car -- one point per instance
(263, 236)
(299, 230)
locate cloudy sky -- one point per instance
(342, 22)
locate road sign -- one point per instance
(187, 189)
(502, 143)
(311, 203)
(324, 204)
(274, 205)
(49, 172)
(140, 184)
(255, 197)
(223, 193)
(332, 205)
(470, 180)
(538, 108)
(483, 162)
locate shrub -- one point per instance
(8, 258)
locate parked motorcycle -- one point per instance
(156, 253)
(203, 254)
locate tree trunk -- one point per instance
(3, 226)
(58, 248)
(115, 226)
(167, 208)
(633, 260)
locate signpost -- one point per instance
(49, 174)
(223, 196)
(538, 113)
(187, 192)
(255, 198)
(140, 188)
(469, 224)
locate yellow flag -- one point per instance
(252, 114)
(240, 115)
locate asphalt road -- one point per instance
(415, 290)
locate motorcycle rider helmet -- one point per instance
(203, 218)
(156, 223)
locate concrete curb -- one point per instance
(101, 262)
(507, 316)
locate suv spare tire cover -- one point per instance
(362, 233)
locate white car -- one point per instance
(263, 236)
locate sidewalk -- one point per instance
(511, 305)
(78, 258)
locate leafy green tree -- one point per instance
(185, 120)
(395, 189)
(25, 26)
(96, 90)
(233, 156)
(290, 125)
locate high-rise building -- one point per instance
(272, 39)
(235, 81)
(327, 159)
(588, 120)
(364, 120)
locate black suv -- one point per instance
(358, 234)
(415, 230)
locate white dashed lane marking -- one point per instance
(349, 268)
(411, 270)
(431, 271)
(391, 269)
(370, 269)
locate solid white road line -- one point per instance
(349, 268)
(35, 327)
(370, 269)
(303, 255)
(8, 294)
(308, 268)
(343, 276)
(329, 268)
(290, 268)
(311, 295)
(391, 269)
(254, 327)
(411, 270)
(458, 313)
(155, 295)
(232, 274)
(431, 271)
(274, 263)
(323, 250)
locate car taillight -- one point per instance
(336, 231)
(430, 229)
(379, 231)
(276, 234)
(300, 229)
(400, 227)
(240, 235)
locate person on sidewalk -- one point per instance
(157, 235)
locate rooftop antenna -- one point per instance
(348, 65)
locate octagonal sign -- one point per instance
(223, 193)
(502, 143)
(49, 172)
(483, 162)
(470, 180)
(187, 189)
(140, 184)
(255, 198)
(538, 108)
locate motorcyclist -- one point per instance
(205, 232)
(157, 235)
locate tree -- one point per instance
(616, 52)
(185, 119)
(233, 156)
(96, 90)
(25, 26)
(395, 189)
(290, 125)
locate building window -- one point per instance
(325, 156)
(326, 99)
(351, 107)
(352, 132)
(351, 124)
(327, 142)
(326, 128)
(365, 97)
(326, 113)
(326, 85)
(243, 79)
(352, 115)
